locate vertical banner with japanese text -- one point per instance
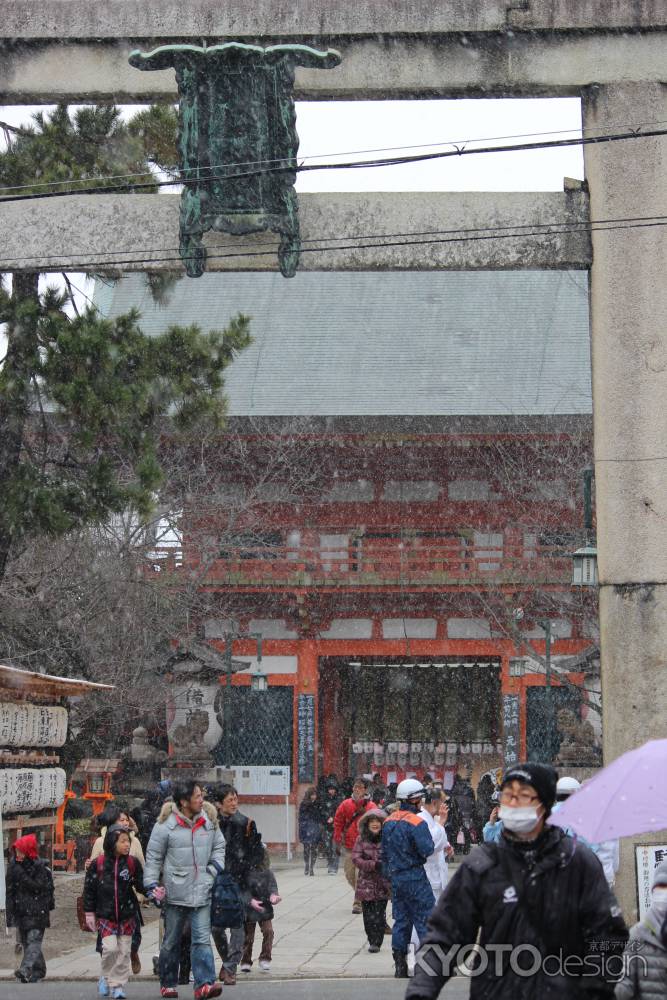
(511, 729)
(306, 735)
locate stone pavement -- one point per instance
(316, 935)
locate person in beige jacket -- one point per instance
(113, 815)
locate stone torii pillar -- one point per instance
(629, 361)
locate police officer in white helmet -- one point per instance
(607, 851)
(406, 844)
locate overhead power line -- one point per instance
(518, 228)
(209, 174)
(175, 168)
(386, 244)
(514, 229)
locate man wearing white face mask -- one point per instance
(547, 918)
(645, 965)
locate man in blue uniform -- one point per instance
(406, 844)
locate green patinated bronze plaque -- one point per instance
(238, 141)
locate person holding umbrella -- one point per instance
(546, 918)
(606, 851)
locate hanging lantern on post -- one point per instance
(585, 567)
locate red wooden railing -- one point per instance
(390, 560)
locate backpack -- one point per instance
(99, 864)
(99, 869)
(132, 868)
(227, 909)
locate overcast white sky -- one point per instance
(342, 127)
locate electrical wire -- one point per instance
(205, 173)
(551, 228)
(176, 169)
(91, 265)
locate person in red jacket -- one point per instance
(346, 831)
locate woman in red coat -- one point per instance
(345, 834)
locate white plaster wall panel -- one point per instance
(411, 491)
(560, 629)
(361, 491)
(24, 725)
(271, 628)
(469, 489)
(349, 628)
(468, 628)
(270, 665)
(413, 628)
(217, 628)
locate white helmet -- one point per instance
(408, 789)
(566, 786)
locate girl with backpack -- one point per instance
(114, 816)
(111, 908)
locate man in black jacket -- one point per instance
(329, 802)
(29, 901)
(549, 923)
(243, 852)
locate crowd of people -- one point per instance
(529, 914)
(181, 851)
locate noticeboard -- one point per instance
(647, 859)
(511, 731)
(306, 737)
(262, 780)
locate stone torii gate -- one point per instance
(612, 55)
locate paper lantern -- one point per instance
(30, 789)
(23, 725)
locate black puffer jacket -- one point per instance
(551, 896)
(110, 895)
(243, 846)
(29, 894)
(261, 885)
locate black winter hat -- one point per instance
(543, 778)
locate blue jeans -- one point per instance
(412, 902)
(201, 953)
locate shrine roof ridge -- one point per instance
(32, 682)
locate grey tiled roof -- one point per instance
(390, 343)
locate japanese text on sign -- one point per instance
(511, 733)
(306, 731)
(647, 859)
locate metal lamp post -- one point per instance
(258, 682)
(545, 624)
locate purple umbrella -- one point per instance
(627, 797)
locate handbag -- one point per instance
(81, 914)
